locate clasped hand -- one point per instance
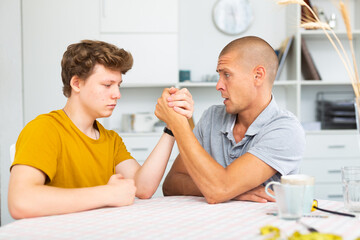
(174, 104)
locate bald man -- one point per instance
(241, 145)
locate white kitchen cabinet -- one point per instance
(149, 30)
(140, 146)
(139, 16)
(329, 191)
(326, 152)
(155, 57)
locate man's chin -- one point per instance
(228, 109)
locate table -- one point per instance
(178, 217)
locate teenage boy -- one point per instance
(66, 161)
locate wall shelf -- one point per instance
(320, 33)
(285, 83)
(325, 83)
(196, 84)
(147, 85)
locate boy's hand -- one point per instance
(122, 191)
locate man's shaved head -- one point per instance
(254, 51)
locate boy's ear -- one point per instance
(75, 83)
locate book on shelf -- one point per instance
(305, 12)
(308, 68)
(282, 54)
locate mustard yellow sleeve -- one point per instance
(38, 146)
(121, 153)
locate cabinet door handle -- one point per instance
(139, 149)
(334, 171)
(335, 196)
(336, 146)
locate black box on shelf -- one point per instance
(335, 110)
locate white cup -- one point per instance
(126, 122)
(351, 188)
(144, 122)
(294, 195)
(289, 199)
(308, 182)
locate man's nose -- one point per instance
(219, 84)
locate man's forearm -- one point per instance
(208, 175)
(180, 184)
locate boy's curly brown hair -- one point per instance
(80, 59)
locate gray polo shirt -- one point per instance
(276, 137)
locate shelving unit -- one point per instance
(332, 71)
(327, 150)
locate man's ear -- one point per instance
(75, 83)
(259, 75)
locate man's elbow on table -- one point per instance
(217, 196)
(219, 191)
(174, 184)
(166, 188)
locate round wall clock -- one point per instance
(232, 16)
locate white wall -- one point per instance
(11, 116)
(199, 45)
(48, 27)
(200, 42)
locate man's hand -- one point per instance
(173, 105)
(181, 101)
(257, 194)
(122, 191)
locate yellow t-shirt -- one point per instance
(70, 159)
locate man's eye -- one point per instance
(227, 75)
(107, 85)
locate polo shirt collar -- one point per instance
(264, 117)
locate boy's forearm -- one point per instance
(42, 200)
(149, 176)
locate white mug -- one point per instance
(144, 122)
(126, 122)
(289, 199)
(298, 186)
(308, 182)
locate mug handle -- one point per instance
(268, 185)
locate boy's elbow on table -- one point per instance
(19, 209)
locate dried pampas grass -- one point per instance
(313, 22)
(284, 2)
(315, 25)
